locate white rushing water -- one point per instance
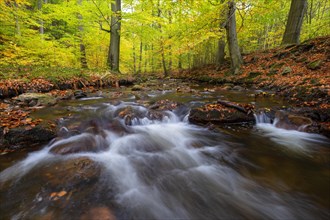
(161, 169)
(290, 139)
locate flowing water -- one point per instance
(167, 168)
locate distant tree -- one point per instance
(82, 47)
(234, 52)
(115, 26)
(294, 22)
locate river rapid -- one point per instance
(165, 167)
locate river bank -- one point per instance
(299, 74)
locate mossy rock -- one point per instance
(286, 70)
(276, 65)
(42, 99)
(137, 88)
(254, 74)
(314, 65)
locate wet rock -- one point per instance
(137, 88)
(68, 95)
(221, 113)
(238, 88)
(314, 64)
(36, 99)
(290, 121)
(185, 89)
(165, 105)
(85, 143)
(227, 86)
(78, 94)
(98, 213)
(129, 114)
(69, 173)
(17, 138)
(155, 115)
(325, 129)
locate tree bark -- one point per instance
(294, 22)
(114, 47)
(140, 57)
(41, 22)
(221, 52)
(235, 54)
(164, 62)
(83, 59)
(134, 60)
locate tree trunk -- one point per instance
(41, 22)
(235, 54)
(221, 52)
(145, 58)
(140, 58)
(164, 62)
(134, 59)
(152, 59)
(114, 48)
(83, 59)
(294, 22)
(180, 62)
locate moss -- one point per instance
(315, 82)
(286, 70)
(254, 74)
(314, 64)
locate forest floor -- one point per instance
(300, 73)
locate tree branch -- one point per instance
(102, 29)
(101, 13)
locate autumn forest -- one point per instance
(147, 35)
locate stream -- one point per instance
(163, 167)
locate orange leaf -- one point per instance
(62, 193)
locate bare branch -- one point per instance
(101, 13)
(101, 28)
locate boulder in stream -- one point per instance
(78, 94)
(165, 105)
(70, 173)
(36, 99)
(101, 212)
(80, 143)
(222, 112)
(291, 121)
(21, 137)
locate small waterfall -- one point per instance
(262, 118)
(291, 139)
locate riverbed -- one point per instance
(164, 167)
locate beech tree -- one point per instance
(114, 48)
(82, 47)
(151, 35)
(294, 22)
(234, 52)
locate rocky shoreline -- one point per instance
(22, 131)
